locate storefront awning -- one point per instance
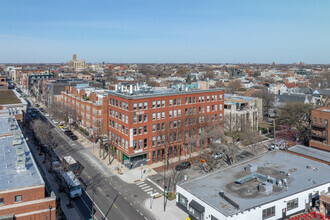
(199, 208)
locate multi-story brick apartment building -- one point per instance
(138, 120)
(142, 120)
(12, 103)
(320, 128)
(88, 105)
(22, 189)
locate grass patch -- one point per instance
(8, 97)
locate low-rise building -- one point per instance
(12, 103)
(275, 185)
(22, 189)
(241, 111)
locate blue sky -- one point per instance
(155, 31)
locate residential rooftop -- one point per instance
(8, 125)
(304, 174)
(17, 166)
(311, 152)
(8, 97)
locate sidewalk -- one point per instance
(171, 211)
(129, 176)
(70, 213)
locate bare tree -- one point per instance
(234, 85)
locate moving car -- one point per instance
(183, 166)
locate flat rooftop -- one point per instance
(246, 195)
(8, 97)
(157, 93)
(10, 176)
(311, 152)
(6, 127)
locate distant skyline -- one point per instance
(152, 31)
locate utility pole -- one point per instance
(274, 129)
(93, 199)
(164, 178)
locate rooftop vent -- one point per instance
(251, 168)
(265, 188)
(20, 165)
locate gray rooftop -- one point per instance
(10, 176)
(158, 93)
(311, 152)
(246, 195)
(7, 128)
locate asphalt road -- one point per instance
(114, 199)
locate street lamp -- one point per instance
(50, 212)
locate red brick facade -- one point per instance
(320, 128)
(33, 204)
(135, 126)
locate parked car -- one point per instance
(217, 155)
(64, 128)
(54, 121)
(42, 110)
(37, 105)
(183, 166)
(68, 132)
(73, 137)
(46, 114)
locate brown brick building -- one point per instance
(22, 189)
(320, 128)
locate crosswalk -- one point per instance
(147, 189)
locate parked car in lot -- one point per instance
(183, 166)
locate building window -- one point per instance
(145, 117)
(134, 131)
(145, 143)
(158, 115)
(163, 115)
(179, 101)
(163, 103)
(292, 204)
(134, 119)
(320, 120)
(153, 116)
(18, 198)
(153, 127)
(140, 144)
(145, 129)
(154, 104)
(2, 201)
(140, 118)
(174, 102)
(183, 200)
(140, 130)
(134, 106)
(171, 102)
(267, 213)
(170, 114)
(145, 105)
(140, 105)
(134, 145)
(158, 104)
(186, 100)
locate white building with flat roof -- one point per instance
(280, 185)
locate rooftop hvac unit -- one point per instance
(251, 168)
(17, 142)
(20, 151)
(20, 165)
(265, 188)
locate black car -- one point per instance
(42, 110)
(183, 166)
(68, 132)
(37, 105)
(73, 137)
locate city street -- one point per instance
(114, 199)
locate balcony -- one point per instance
(319, 126)
(316, 135)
